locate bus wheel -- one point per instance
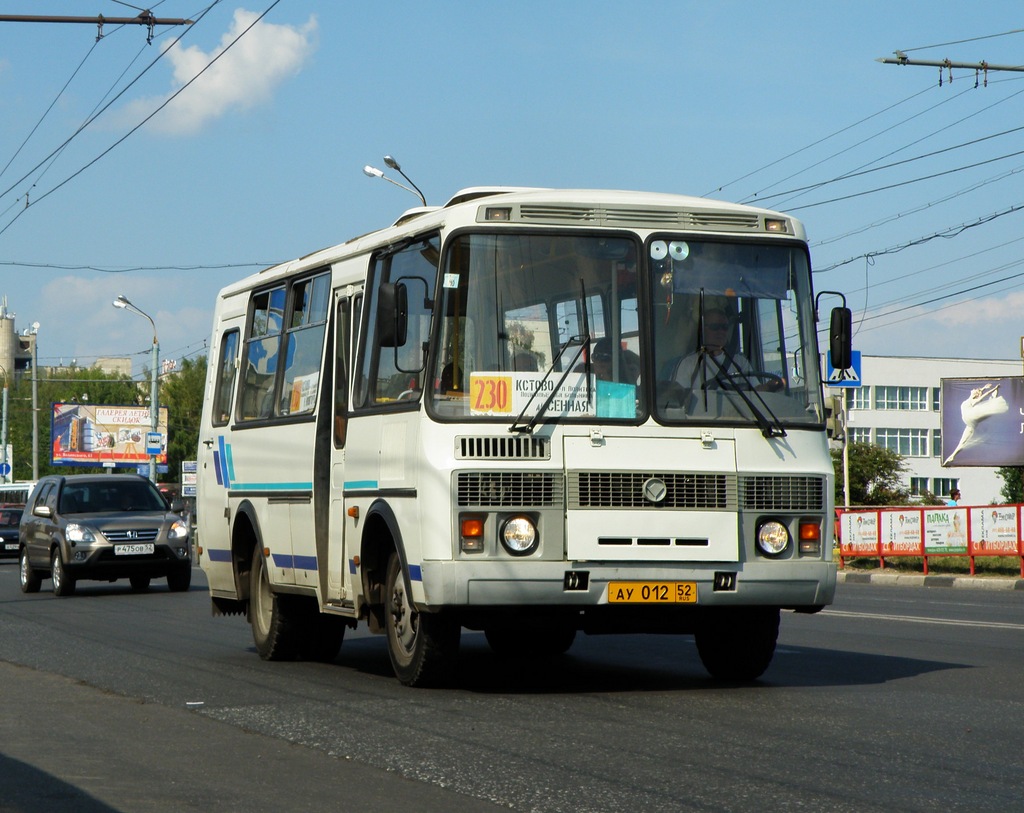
(530, 642)
(274, 629)
(422, 646)
(737, 643)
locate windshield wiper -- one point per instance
(770, 427)
(584, 342)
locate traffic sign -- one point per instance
(843, 378)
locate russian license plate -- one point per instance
(652, 592)
(133, 550)
(10, 546)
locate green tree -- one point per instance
(182, 394)
(1013, 483)
(875, 475)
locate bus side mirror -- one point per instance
(392, 314)
(841, 338)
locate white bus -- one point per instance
(528, 412)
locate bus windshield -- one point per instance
(563, 326)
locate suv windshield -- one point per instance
(109, 495)
(568, 326)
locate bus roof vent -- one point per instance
(502, 448)
(651, 217)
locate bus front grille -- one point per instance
(620, 489)
(509, 489)
(774, 493)
(497, 447)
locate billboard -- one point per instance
(101, 435)
(982, 421)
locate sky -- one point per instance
(239, 141)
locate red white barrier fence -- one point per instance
(931, 531)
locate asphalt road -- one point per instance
(893, 699)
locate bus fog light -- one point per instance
(519, 536)
(471, 530)
(810, 539)
(772, 538)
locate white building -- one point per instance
(897, 406)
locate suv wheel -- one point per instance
(30, 578)
(63, 584)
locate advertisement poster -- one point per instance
(994, 529)
(945, 530)
(859, 534)
(99, 435)
(982, 421)
(901, 532)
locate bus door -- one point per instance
(346, 310)
(212, 515)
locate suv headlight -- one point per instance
(78, 533)
(178, 531)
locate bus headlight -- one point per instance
(519, 536)
(772, 538)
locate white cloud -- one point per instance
(243, 77)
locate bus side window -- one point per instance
(226, 369)
(392, 374)
(261, 354)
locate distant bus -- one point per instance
(15, 493)
(530, 412)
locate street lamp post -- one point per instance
(154, 403)
(3, 433)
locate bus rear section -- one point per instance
(492, 417)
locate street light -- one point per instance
(3, 433)
(154, 405)
(373, 172)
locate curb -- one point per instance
(920, 580)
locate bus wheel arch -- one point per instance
(381, 538)
(245, 539)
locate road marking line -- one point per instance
(917, 619)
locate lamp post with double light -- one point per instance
(154, 402)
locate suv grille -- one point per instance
(132, 535)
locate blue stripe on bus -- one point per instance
(361, 484)
(216, 467)
(305, 562)
(352, 566)
(222, 474)
(415, 573)
(230, 462)
(282, 560)
(218, 554)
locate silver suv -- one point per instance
(103, 527)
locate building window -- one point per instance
(941, 486)
(907, 442)
(935, 399)
(936, 443)
(918, 486)
(858, 398)
(914, 399)
(858, 434)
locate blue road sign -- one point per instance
(843, 378)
